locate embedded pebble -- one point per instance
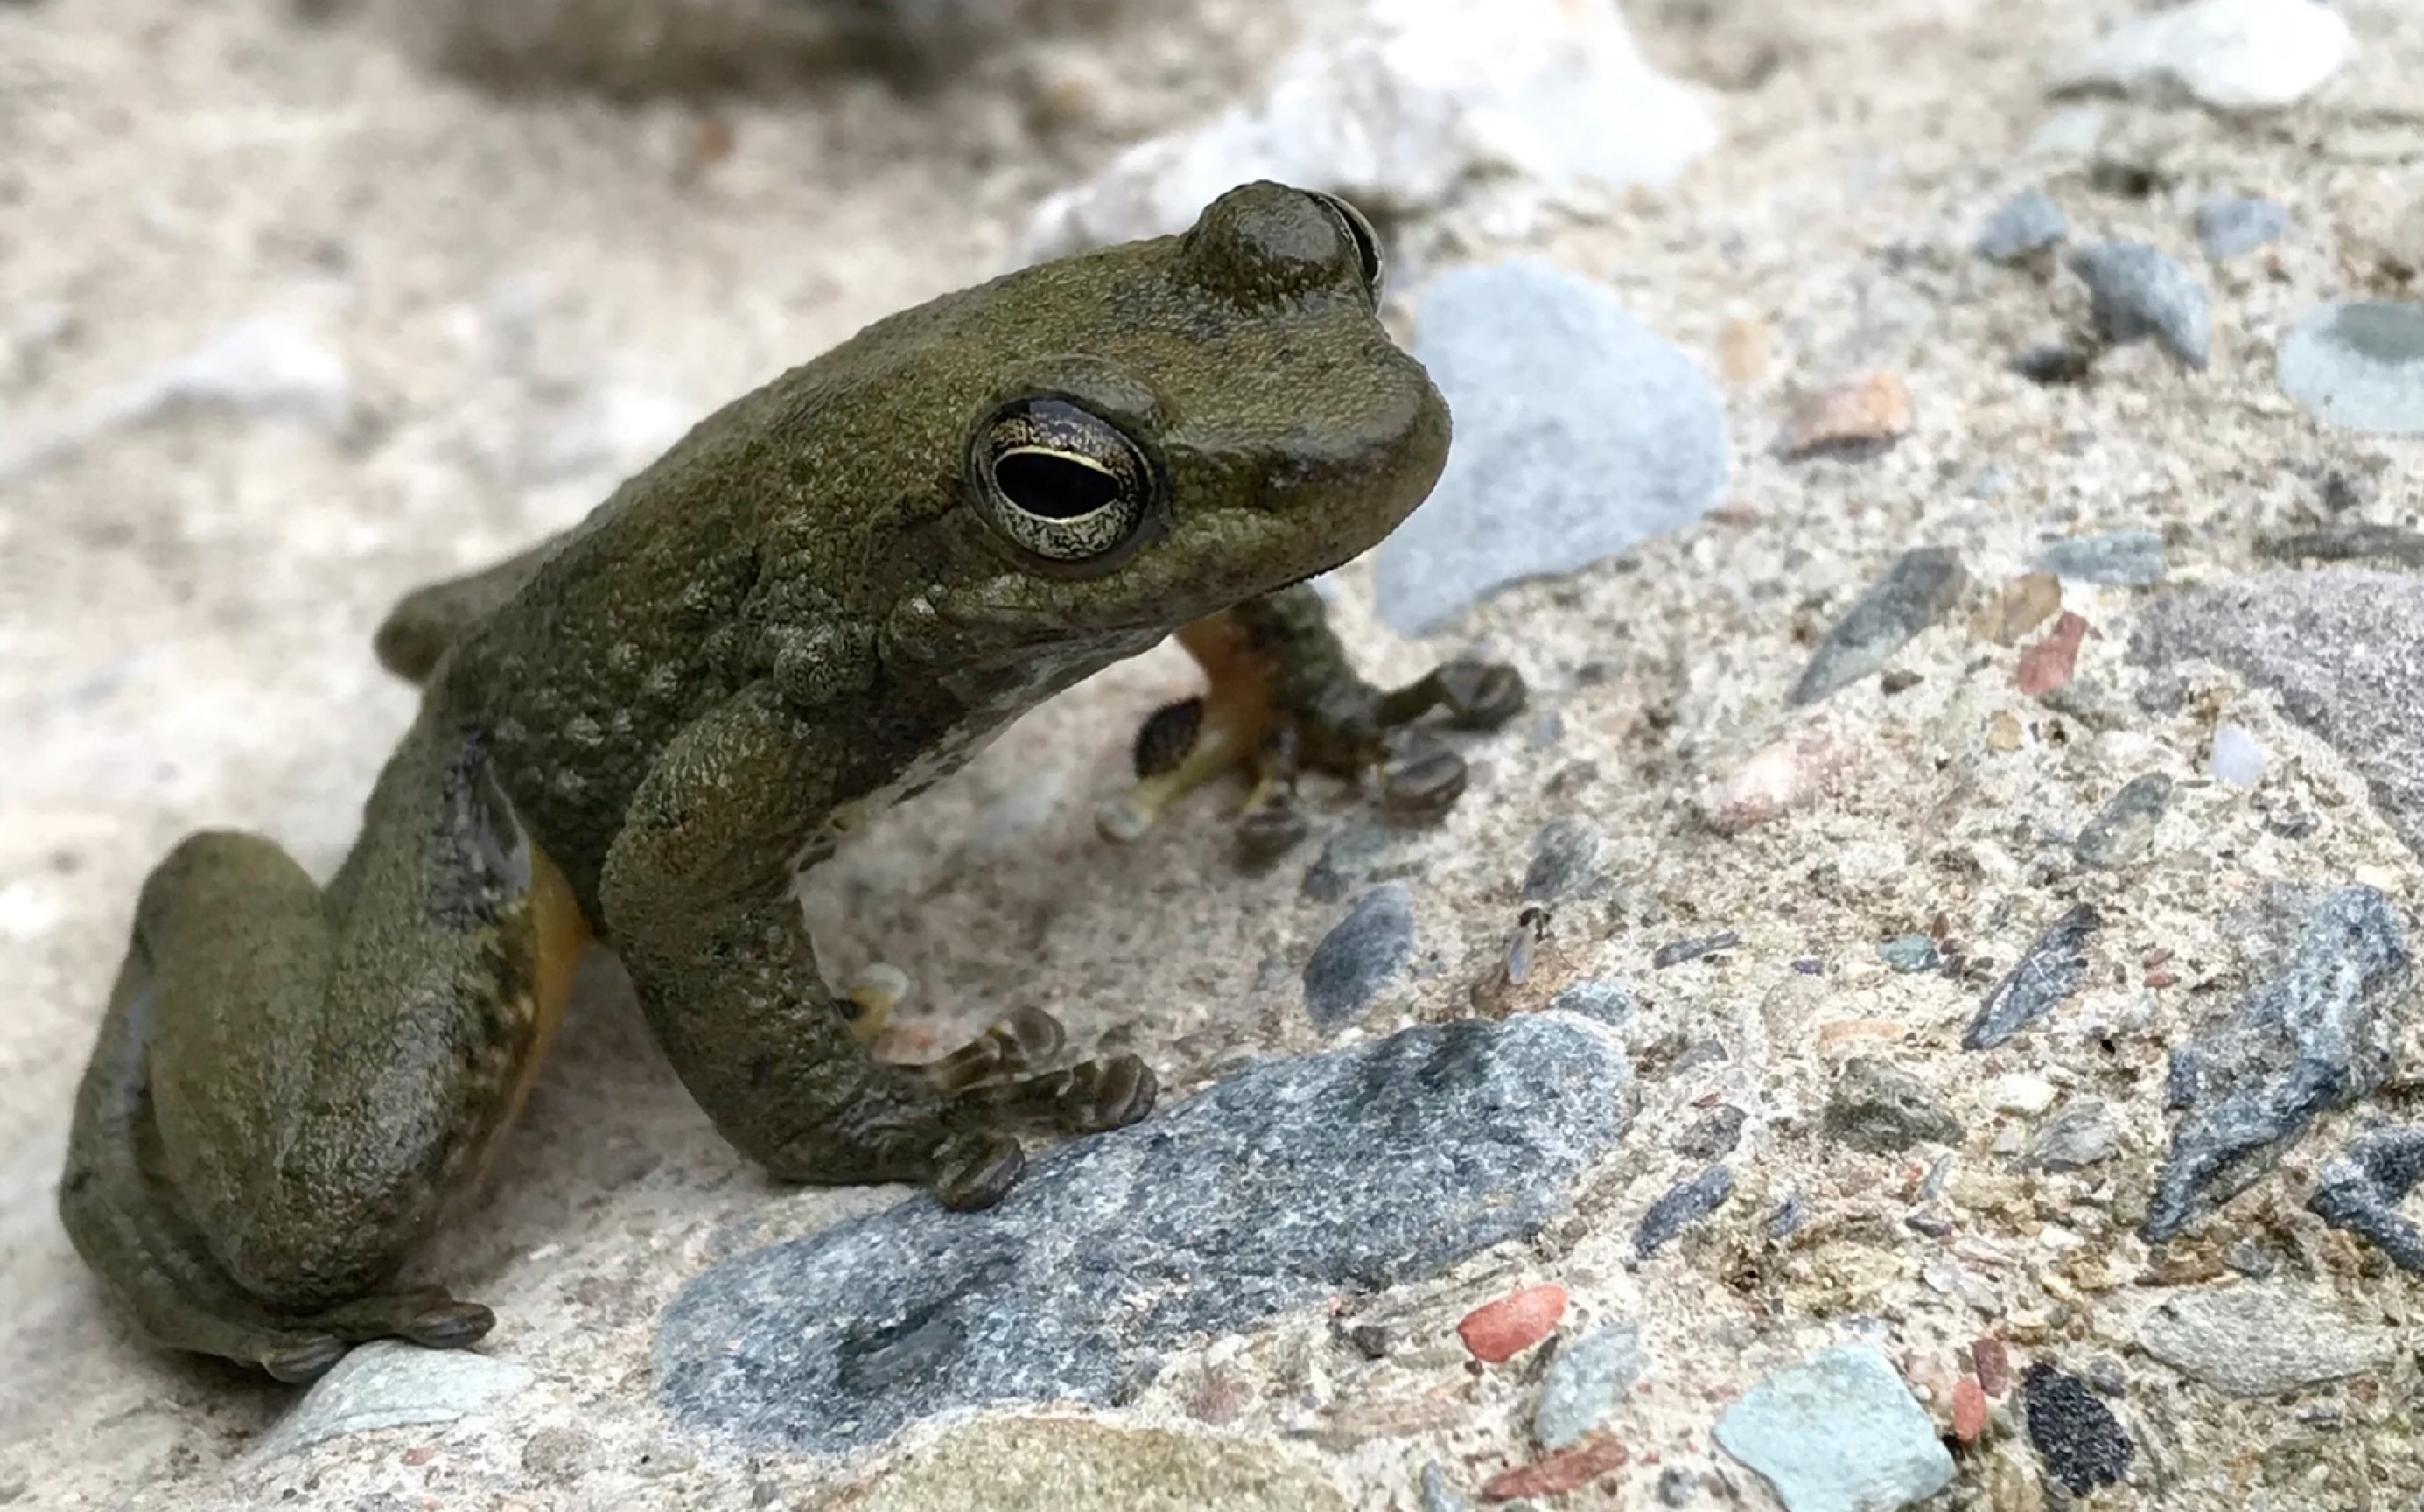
(2020, 607)
(1437, 1494)
(2136, 291)
(2361, 1190)
(1559, 1472)
(1360, 1168)
(2348, 541)
(2261, 1338)
(1775, 780)
(1495, 1333)
(1563, 851)
(1877, 1109)
(1677, 1486)
(2235, 758)
(391, 1384)
(2344, 647)
(1608, 1001)
(1914, 593)
(1579, 432)
(1358, 956)
(2048, 666)
(2358, 365)
(1908, 953)
(1684, 1205)
(2027, 223)
(2123, 831)
(2053, 968)
(2320, 1032)
(1856, 419)
(2230, 226)
(1346, 857)
(1675, 952)
(1584, 1383)
(1840, 1432)
(1714, 1135)
(2083, 1444)
(2081, 1134)
(2233, 54)
(2020, 1093)
(2130, 559)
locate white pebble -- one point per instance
(2236, 758)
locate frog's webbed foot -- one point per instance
(1475, 695)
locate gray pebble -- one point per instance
(1369, 1167)
(2081, 1134)
(2136, 291)
(2353, 540)
(1675, 952)
(2132, 559)
(2319, 1033)
(2053, 968)
(2123, 831)
(2358, 365)
(1608, 1001)
(1584, 1383)
(2258, 1340)
(1355, 959)
(391, 1384)
(560, 1455)
(1682, 1206)
(1877, 1109)
(1909, 953)
(1346, 857)
(1676, 1486)
(2026, 224)
(1439, 1493)
(2229, 226)
(1563, 853)
(1840, 1432)
(1714, 1135)
(2361, 1190)
(1579, 432)
(1913, 595)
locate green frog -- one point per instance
(825, 597)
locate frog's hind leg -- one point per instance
(288, 1078)
(1003, 1072)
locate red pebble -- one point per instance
(1498, 1331)
(1993, 1364)
(1968, 1410)
(2049, 664)
(1560, 1472)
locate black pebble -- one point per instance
(2083, 1444)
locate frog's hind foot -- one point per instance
(1090, 1097)
(1473, 694)
(1020, 1042)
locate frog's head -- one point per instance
(1142, 435)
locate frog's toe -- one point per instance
(451, 1325)
(1424, 786)
(1108, 1093)
(427, 1315)
(1481, 694)
(301, 1359)
(976, 1169)
(1012, 1045)
(1268, 831)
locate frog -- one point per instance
(826, 596)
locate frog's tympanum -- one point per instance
(825, 597)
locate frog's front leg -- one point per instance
(697, 892)
(426, 623)
(1282, 695)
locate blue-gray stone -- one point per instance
(1684, 1205)
(1603, 998)
(1909, 953)
(1355, 959)
(1838, 1432)
(1563, 853)
(2358, 365)
(2318, 1033)
(1584, 1382)
(2132, 559)
(1914, 593)
(1714, 1135)
(2123, 831)
(391, 1384)
(2053, 968)
(2027, 223)
(2229, 226)
(1579, 432)
(2361, 1190)
(1364, 1167)
(2135, 292)
(1439, 1494)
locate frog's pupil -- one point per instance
(1053, 485)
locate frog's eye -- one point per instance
(1060, 480)
(1360, 232)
